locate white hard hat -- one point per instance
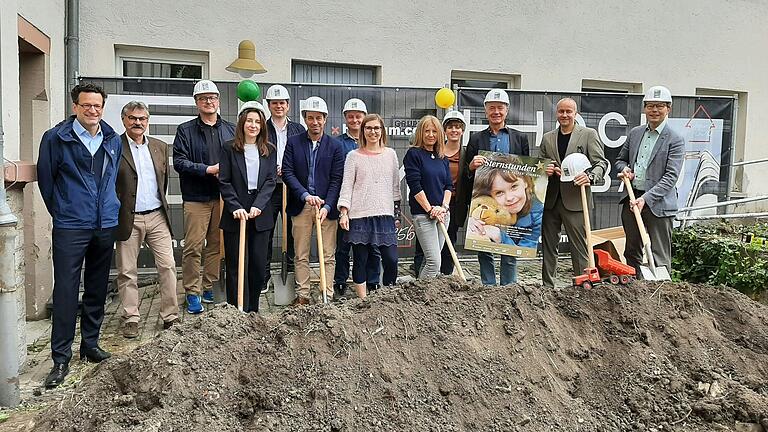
(573, 165)
(496, 95)
(277, 92)
(205, 86)
(453, 115)
(354, 104)
(658, 94)
(316, 104)
(251, 105)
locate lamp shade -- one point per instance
(246, 63)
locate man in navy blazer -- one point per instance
(496, 138)
(652, 158)
(313, 166)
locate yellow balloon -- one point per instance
(444, 98)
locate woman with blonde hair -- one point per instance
(369, 203)
(429, 180)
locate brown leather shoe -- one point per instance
(301, 301)
(131, 330)
(171, 323)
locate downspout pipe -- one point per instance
(9, 341)
(72, 43)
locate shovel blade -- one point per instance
(661, 273)
(285, 289)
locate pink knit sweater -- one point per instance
(371, 184)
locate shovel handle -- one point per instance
(587, 226)
(284, 243)
(320, 254)
(640, 225)
(241, 265)
(452, 250)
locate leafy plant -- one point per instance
(715, 254)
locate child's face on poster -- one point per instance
(510, 195)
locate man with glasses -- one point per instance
(196, 159)
(496, 138)
(354, 110)
(142, 181)
(280, 128)
(76, 173)
(651, 158)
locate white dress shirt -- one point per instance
(147, 193)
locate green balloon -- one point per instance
(248, 91)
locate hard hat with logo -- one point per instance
(454, 115)
(573, 165)
(277, 92)
(658, 94)
(316, 104)
(205, 86)
(496, 95)
(355, 104)
(251, 105)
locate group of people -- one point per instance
(101, 187)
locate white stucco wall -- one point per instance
(553, 45)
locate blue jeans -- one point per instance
(431, 239)
(507, 270)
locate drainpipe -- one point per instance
(9, 341)
(72, 43)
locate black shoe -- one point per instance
(171, 323)
(94, 355)
(56, 375)
(339, 290)
(372, 287)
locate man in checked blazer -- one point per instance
(562, 206)
(652, 158)
(142, 181)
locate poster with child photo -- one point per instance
(507, 205)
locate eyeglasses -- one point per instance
(655, 106)
(374, 129)
(141, 119)
(88, 107)
(208, 98)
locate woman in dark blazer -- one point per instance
(247, 172)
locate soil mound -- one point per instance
(447, 356)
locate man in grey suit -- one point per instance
(651, 158)
(562, 206)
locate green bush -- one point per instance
(715, 254)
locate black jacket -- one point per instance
(233, 182)
(518, 145)
(191, 159)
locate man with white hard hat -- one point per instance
(280, 128)
(501, 139)
(354, 110)
(562, 206)
(196, 159)
(313, 167)
(651, 158)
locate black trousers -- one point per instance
(256, 252)
(277, 204)
(362, 253)
(73, 249)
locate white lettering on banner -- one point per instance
(601, 129)
(607, 184)
(537, 128)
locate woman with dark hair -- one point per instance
(247, 172)
(369, 203)
(514, 193)
(429, 181)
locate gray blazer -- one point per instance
(583, 140)
(661, 176)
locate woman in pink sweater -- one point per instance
(369, 202)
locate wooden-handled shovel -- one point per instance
(320, 254)
(241, 265)
(652, 273)
(452, 250)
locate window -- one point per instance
(333, 73)
(149, 62)
(135, 68)
(484, 79)
(589, 85)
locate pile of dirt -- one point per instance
(446, 356)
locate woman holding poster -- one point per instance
(505, 208)
(429, 181)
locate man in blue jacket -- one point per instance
(313, 167)
(77, 172)
(196, 159)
